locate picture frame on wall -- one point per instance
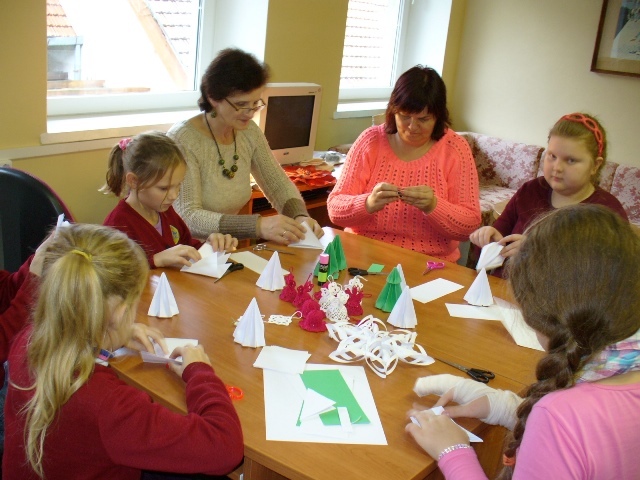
(617, 48)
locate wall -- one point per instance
(522, 65)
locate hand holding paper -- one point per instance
(212, 264)
(490, 257)
(309, 241)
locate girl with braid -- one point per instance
(577, 281)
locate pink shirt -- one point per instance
(447, 167)
(590, 431)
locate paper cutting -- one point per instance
(163, 303)
(271, 278)
(479, 294)
(249, 331)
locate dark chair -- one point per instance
(28, 210)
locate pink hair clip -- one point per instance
(591, 125)
(124, 143)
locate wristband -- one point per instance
(452, 448)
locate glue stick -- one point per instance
(323, 270)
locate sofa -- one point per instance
(503, 166)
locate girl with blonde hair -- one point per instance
(67, 413)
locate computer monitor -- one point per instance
(290, 120)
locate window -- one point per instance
(372, 47)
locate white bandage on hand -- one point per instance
(502, 403)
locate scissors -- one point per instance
(234, 392)
(232, 268)
(477, 374)
(359, 271)
(433, 266)
(263, 246)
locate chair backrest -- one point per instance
(28, 210)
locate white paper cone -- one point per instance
(490, 257)
(403, 314)
(479, 293)
(271, 277)
(250, 329)
(163, 303)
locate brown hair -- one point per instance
(233, 70)
(148, 155)
(416, 89)
(567, 128)
(576, 279)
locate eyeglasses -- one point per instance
(257, 106)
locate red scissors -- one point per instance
(234, 392)
(433, 266)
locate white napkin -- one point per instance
(163, 303)
(250, 329)
(212, 264)
(490, 257)
(271, 277)
(479, 293)
(309, 241)
(403, 314)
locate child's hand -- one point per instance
(435, 433)
(512, 245)
(485, 235)
(190, 354)
(177, 256)
(140, 337)
(222, 243)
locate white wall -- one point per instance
(524, 64)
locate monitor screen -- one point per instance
(288, 124)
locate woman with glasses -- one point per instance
(223, 147)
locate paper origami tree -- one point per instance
(391, 292)
(403, 314)
(250, 329)
(163, 303)
(271, 277)
(338, 252)
(479, 293)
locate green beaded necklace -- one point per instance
(227, 172)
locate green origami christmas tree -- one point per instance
(390, 292)
(334, 271)
(339, 253)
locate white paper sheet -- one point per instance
(163, 304)
(282, 359)
(212, 264)
(492, 312)
(309, 241)
(434, 289)
(283, 405)
(512, 319)
(252, 262)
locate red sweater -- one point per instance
(534, 198)
(109, 430)
(17, 292)
(448, 168)
(174, 230)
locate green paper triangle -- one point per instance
(339, 253)
(390, 292)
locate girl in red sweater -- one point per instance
(67, 413)
(150, 168)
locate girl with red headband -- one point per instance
(575, 155)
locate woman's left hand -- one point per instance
(140, 337)
(435, 433)
(315, 226)
(420, 196)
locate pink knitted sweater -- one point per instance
(447, 167)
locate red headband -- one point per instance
(124, 143)
(591, 125)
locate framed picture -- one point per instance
(617, 49)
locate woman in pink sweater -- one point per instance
(577, 281)
(412, 181)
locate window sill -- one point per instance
(359, 109)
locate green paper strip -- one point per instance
(375, 268)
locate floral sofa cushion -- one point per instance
(626, 188)
(501, 162)
(491, 195)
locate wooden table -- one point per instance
(208, 310)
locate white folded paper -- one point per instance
(490, 257)
(472, 436)
(282, 359)
(403, 282)
(212, 264)
(250, 329)
(272, 278)
(163, 303)
(172, 343)
(479, 294)
(403, 314)
(309, 241)
(513, 321)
